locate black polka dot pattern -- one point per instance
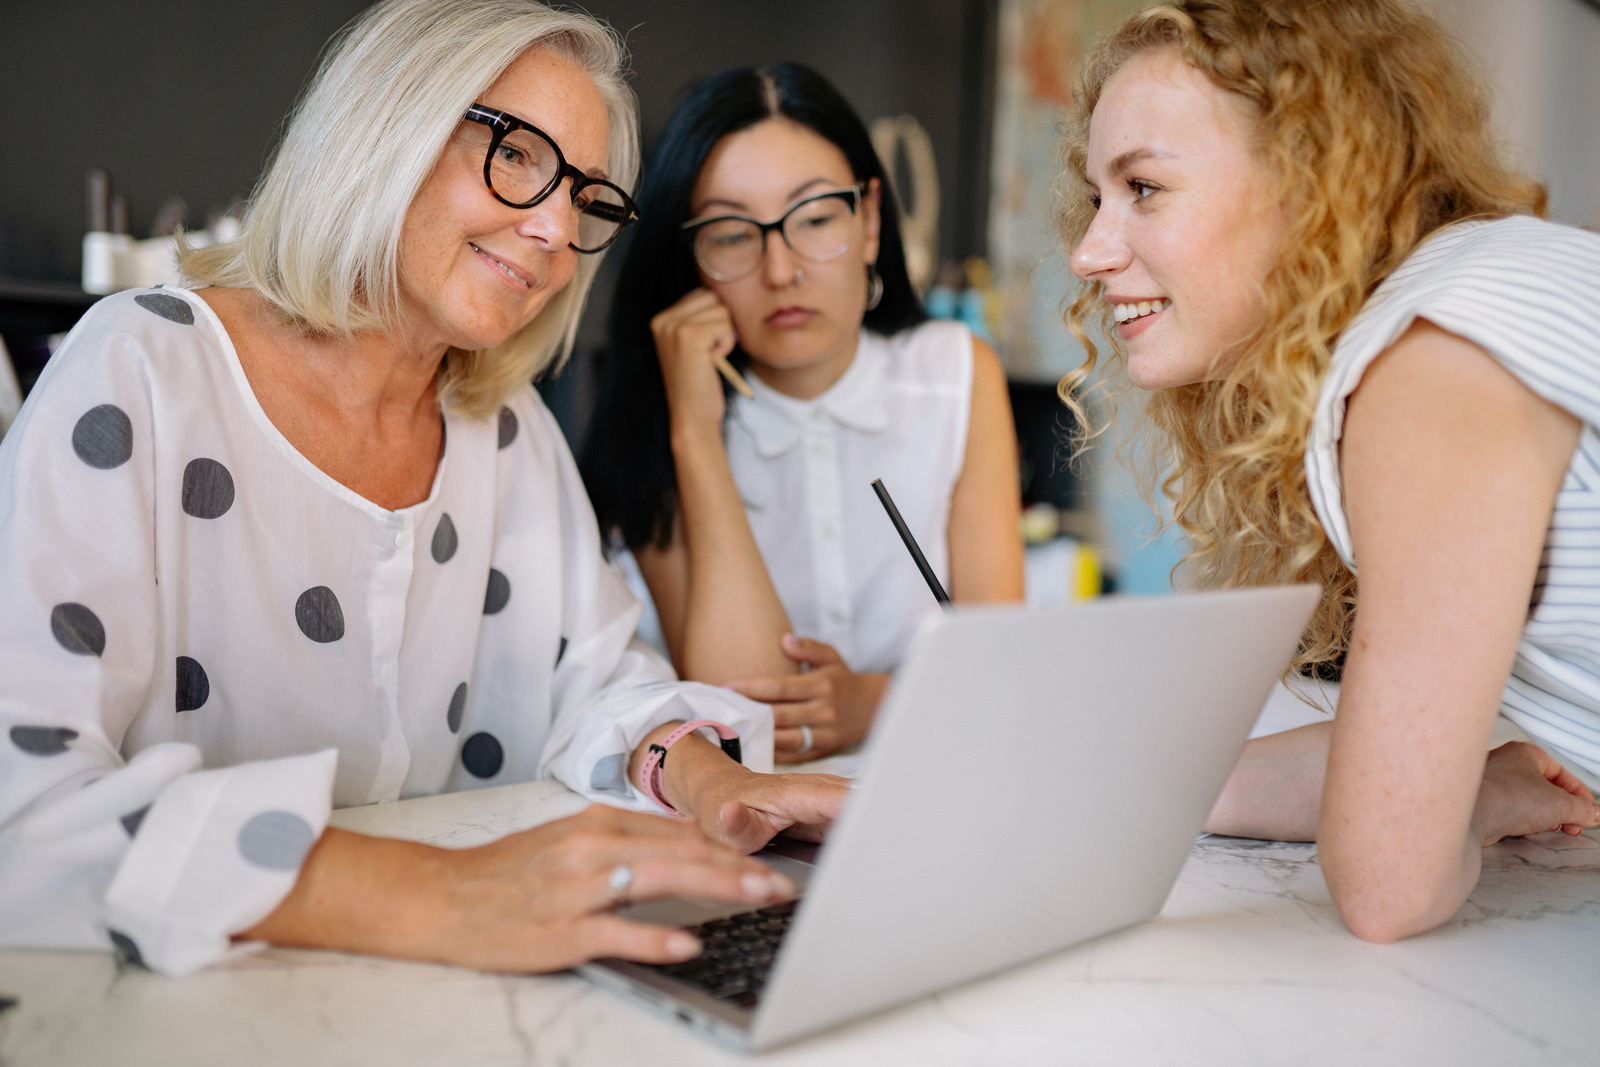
(77, 629)
(42, 740)
(170, 308)
(276, 840)
(498, 595)
(127, 951)
(610, 774)
(445, 541)
(319, 615)
(561, 651)
(132, 820)
(458, 708)
(103, 437)
(194, 688)
(207, 489)
(508, 427)
(482, 755)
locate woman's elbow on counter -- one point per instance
(1384, 906)
(1381, 926)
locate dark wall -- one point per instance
(178, 97)
(186, 97)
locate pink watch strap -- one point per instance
(650, 773)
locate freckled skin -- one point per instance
(1193, 221)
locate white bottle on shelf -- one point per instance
(104, 255)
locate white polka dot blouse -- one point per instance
(206, 642)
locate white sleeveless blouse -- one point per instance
(1528, 293)
(804, 469)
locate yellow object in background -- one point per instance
(1086, 584)
(1061, 570)
(980, 283)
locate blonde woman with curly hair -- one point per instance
(304, 536)
(1361, 344)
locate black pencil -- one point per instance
(911, 543)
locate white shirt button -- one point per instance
(835, 615)
(829, 531)
(387, 674)
(402, 539)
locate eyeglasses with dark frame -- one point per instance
(524, 165)
(731, 247)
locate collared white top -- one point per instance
(181, 589)
(1528, 293)
(805, 468)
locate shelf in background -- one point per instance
(31, 312)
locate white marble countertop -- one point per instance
(1248, 963)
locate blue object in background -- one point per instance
(969, 309)
(940, 302)
(1143, 563)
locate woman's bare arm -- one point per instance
(1275, 790)
(539, 900)
(719, 610)
(985, 509)
(1451, 469)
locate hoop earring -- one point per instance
(874, 286)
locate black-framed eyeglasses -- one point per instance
(523, 165)
(817, 228)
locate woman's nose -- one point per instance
(1102, 250)
(553, 221)
(780, 267)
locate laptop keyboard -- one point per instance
(738, 954)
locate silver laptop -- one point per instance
(1013, 751)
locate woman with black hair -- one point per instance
(769, 243)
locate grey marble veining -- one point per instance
(1248, 963)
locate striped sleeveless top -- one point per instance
(1528, 293)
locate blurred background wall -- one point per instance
(186, 97)
(1543, 59)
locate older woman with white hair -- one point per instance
(306, 526)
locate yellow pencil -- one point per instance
(735, 379)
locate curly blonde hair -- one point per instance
(1377, 131)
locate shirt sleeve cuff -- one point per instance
(216, 853)
(595, 763)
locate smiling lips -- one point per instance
(521, 277)
(1131, 310)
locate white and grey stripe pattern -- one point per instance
(1528, 292)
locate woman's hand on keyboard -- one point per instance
(542, 900)
(750, 809)
(539, 900)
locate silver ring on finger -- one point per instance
(806, 740)
(620, 880)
